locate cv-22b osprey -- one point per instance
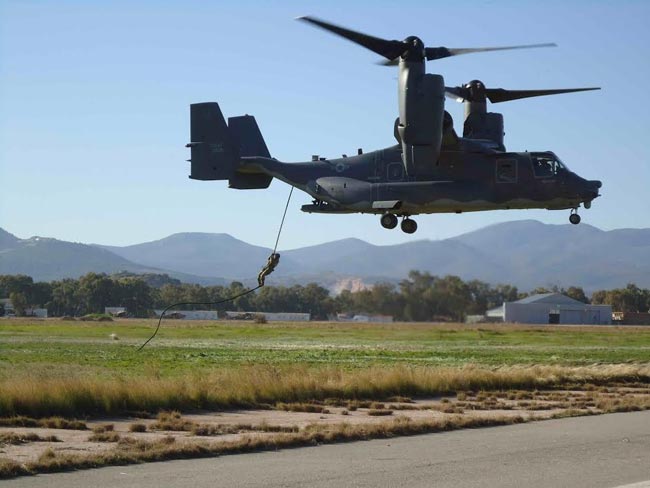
(429, 170)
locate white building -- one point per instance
(551, 308)
(8, 307)
(40, 313)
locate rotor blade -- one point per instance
(496, 95)
(383, 47)
(389, 62)
(457, 93)
(444, 52)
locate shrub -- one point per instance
(137, 427)
(260, 319)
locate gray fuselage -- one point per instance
(460, 181)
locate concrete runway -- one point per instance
(601, 451)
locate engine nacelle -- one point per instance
(484, 125)
(420, 128)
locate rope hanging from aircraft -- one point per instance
(268, 268)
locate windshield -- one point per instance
(546, 164)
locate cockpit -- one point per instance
(547, 164)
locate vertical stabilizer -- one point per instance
(213, 152)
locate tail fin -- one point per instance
(213, 154)
(247, 137)
(217, 148)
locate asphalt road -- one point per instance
(602, 451)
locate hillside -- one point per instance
(46, 259)
(525, 253)
(202, 254)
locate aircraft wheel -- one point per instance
(409, 226)
(574, 218)
(388, 221)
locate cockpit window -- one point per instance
(546, 165)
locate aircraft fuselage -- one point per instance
(460, 181)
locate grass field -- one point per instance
(338, 375)
(182, 346)
(76, 368)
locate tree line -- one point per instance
(420, 297)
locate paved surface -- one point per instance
(602, 451)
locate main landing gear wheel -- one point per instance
(409, 226)
(574, 218)
(388, 221)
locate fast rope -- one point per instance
(272, 262)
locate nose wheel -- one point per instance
(574, 218)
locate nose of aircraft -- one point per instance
(592, 188)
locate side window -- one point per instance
(545, 166)
(506, 171)
(395, 172)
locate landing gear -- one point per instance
(409, 226)
(574, 218)
(388, 221)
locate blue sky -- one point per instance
(95, 101)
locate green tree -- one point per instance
(16, 284)
(314, 299)
(599, 297)
(65, 298)
(135, 295)
(419, 299)
(96, 292)
(19, 302)
(40, 294)
(577, 293)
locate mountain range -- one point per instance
(524, 253)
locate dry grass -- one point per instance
(222, 429)
(379, 412)
(104, 437)
(301, 407)
(48, 422)
(172, 421)
(626, 404)
(100, 429)
(132, 450)
(14, 438)
(10, 468)
(129, 450)
(262, 385)
(137, 427)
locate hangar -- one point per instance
(551, 308)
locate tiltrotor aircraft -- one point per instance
(430, 170)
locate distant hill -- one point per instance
(531, 254)
(525, 253)
(46, 259)
(7, 240)
(201, 254)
